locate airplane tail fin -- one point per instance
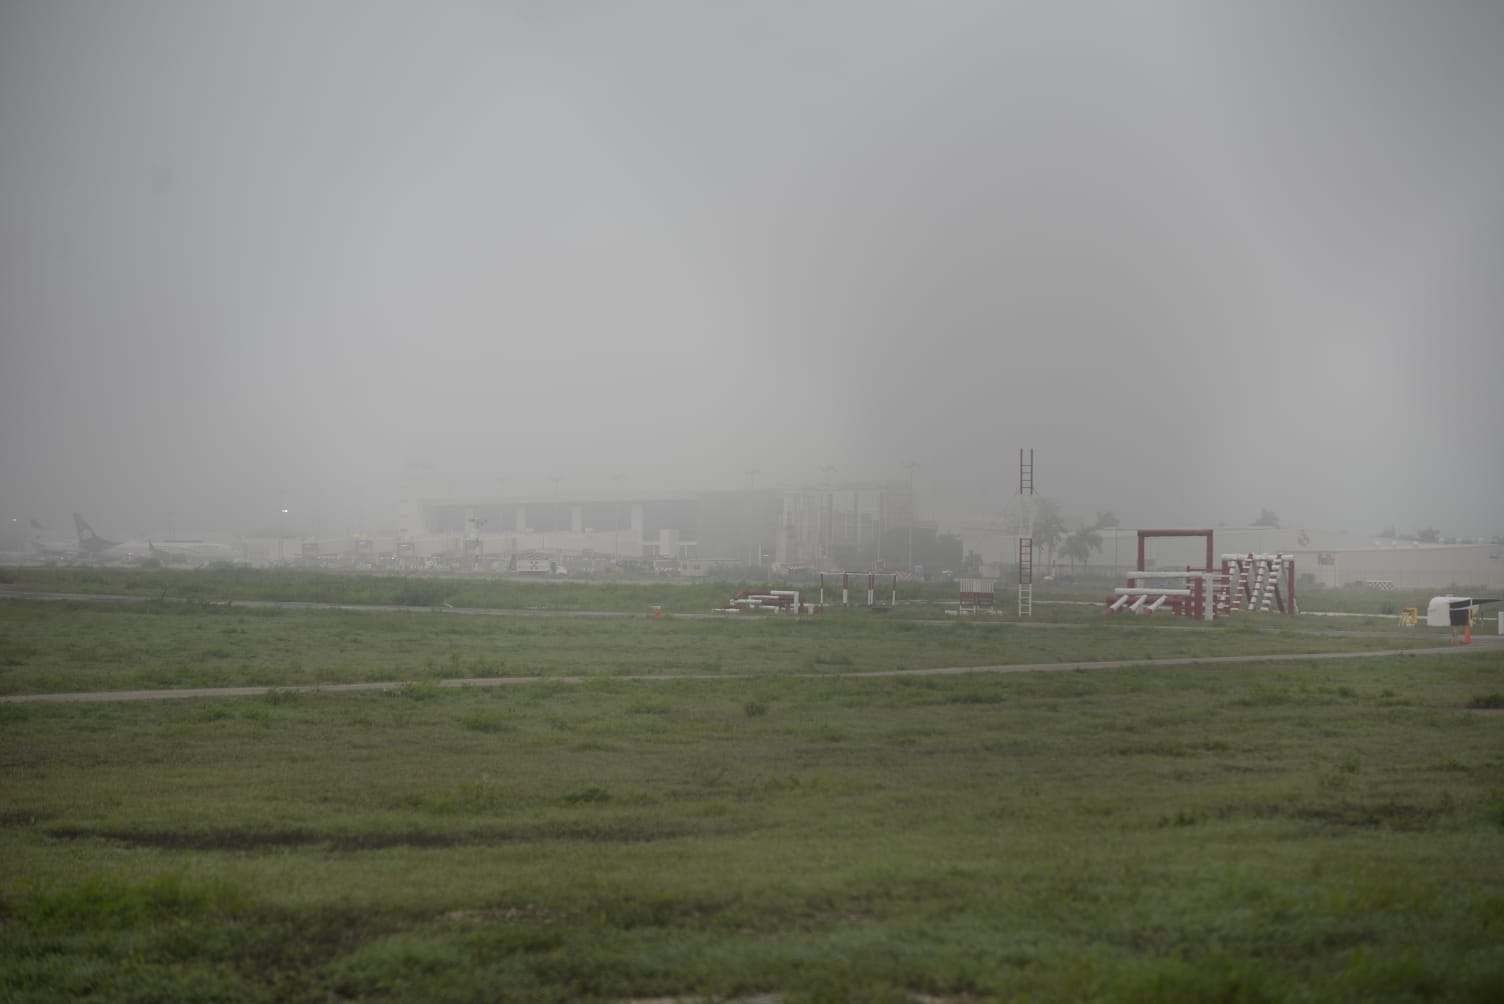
(85, 531)
(35, 525)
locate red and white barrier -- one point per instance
(778, 601)
(1188, 600)
(1261, 582)
(1245, 582)
(871, 588)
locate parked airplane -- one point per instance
(52, 545)
(195, 550)
(91, 543)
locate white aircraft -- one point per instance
(195, 550)
(92, 546)
(52, 545)
(178, 549)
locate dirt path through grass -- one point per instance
(1486, 643)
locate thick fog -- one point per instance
(1204, 258)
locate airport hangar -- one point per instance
(852, 526)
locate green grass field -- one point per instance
(916, 599)
(51, 646)
(761, 825)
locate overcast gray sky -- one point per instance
(1204, 257)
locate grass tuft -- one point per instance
(417, 690)
(588, 795)
(486, 722)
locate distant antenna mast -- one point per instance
(1026, 533)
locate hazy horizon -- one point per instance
(1203, 258)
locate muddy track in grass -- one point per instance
(1486, 644)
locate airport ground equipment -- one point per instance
(1456, 612)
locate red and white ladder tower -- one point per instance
(1026, 534)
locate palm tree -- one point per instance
(1049, 526)
(1079, 545)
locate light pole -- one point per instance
(553, 511)
(827, 521)
(476, 524)
(616, 520)
(752, 473)
(911, 465)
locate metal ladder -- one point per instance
(1025, 576)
